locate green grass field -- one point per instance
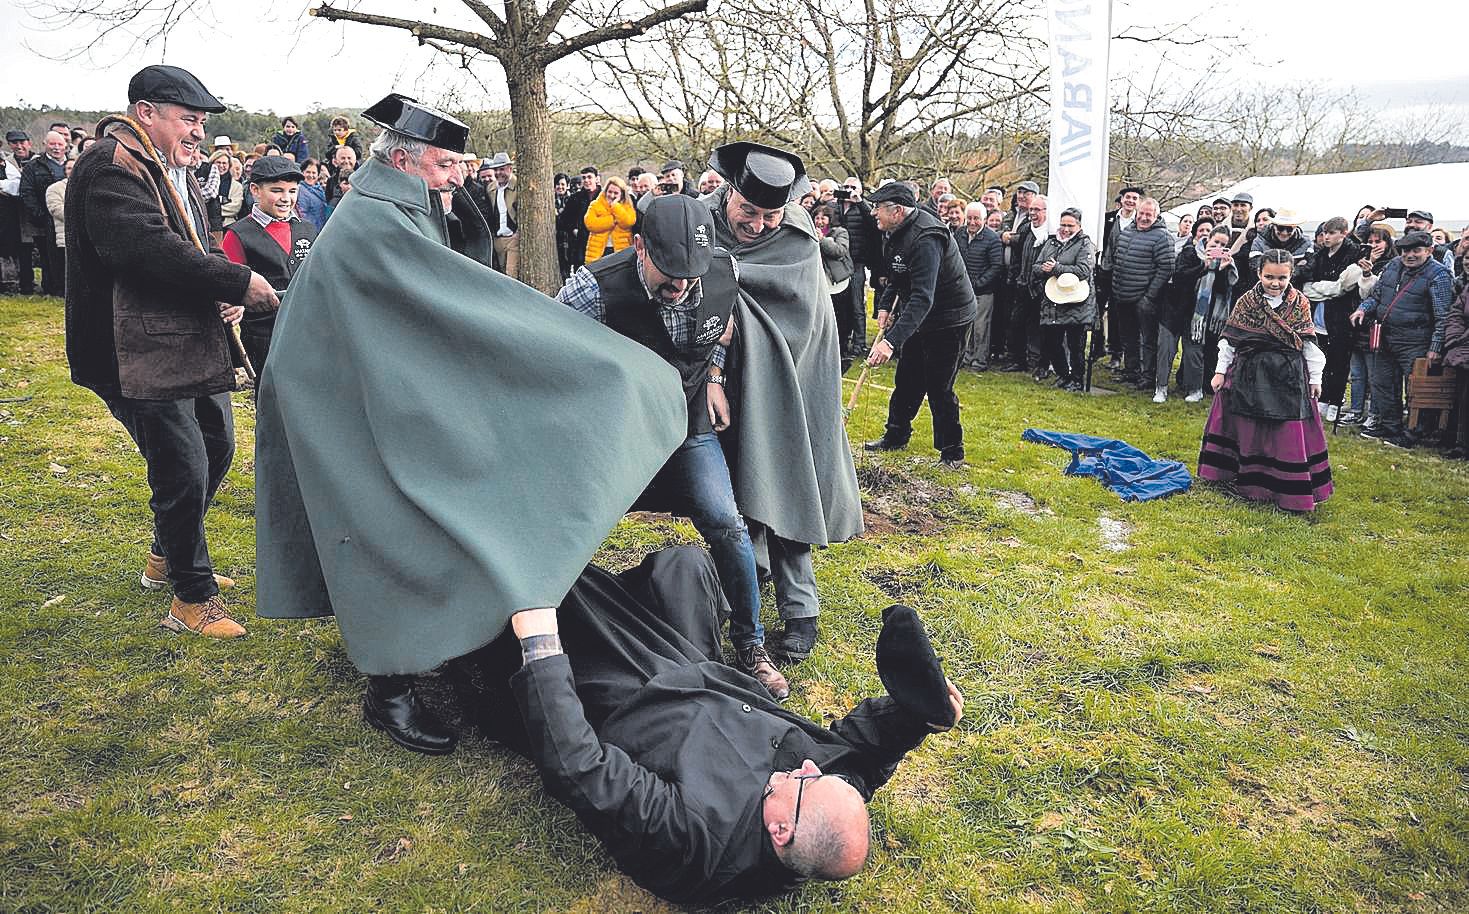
(1225, 708)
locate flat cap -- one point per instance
(1244, 198)
(275, 168)
(1423, 214)
(897, 192)
(670, 165)
(1028, 185)
(678, 233)
(418, 121)
(16, 136)
(1414, 240)
(175, 85)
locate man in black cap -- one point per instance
(701, 788)
(437, 445)
(16, 254)
(927, 308)
(148, 309)
(1411, 303)
(675, 293)
(790, 460)
(672, 173)
(1421, 220)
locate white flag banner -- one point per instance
(1080, 33)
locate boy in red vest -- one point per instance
(272, 240)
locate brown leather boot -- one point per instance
(209, 619)
(754, 661)
(155, 575)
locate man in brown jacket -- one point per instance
(148, 315)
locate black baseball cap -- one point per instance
(1414, 240)
(895, 192)
(678, 233)
(174, 85)
(275, 168)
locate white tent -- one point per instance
(1441, 189)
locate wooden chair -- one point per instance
(1430, 387)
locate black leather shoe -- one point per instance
(885, 444)
(799, 639)
(393, 707)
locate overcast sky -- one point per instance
(268, 55)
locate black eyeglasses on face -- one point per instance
(800, 793)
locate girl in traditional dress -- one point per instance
(1264, 436)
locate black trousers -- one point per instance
(1340, 338)
(619, 630)
(1023, 343)
(53, 279)
(188, 446)
(928, 367)
(1125, 325)
(1063, 344)
(255, 334)
(25, 267)
(1113, 342)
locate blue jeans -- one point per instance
(695, 483)
(1361, 379)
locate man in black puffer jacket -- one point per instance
(865, 244)
(926, 276)
(1141, 269)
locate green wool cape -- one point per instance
(789, 457)
(437, 445)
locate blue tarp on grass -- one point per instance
(1121, 467)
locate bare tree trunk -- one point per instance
(530, 119)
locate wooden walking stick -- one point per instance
(861, 379)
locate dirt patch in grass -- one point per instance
(1114, 533)
(904, 583)
(895, 502)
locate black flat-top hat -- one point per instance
(175, 85)
(767, 177)
(678, 232)
(411, 118)
(275, 168)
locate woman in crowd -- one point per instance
(1185, 234)
(1264, 437)
(1062, 283)
(1379, 253)
(311, 199)
(291, 141)
(1196, 270)
(836, 257)
(231, 188)
(609, 220)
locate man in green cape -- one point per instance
(438, 446)
(789, 458)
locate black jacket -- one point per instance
(571, 224)
(863, 237)
(38, 174)
(1021, 237)
(927, 276)
(1142, 264)
(984, 258)
(671, 780)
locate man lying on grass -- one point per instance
(702, 787)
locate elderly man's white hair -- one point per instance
(390, 141)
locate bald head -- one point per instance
(817, 823)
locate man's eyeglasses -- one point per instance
(800, 793)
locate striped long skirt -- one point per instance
(1280, 462)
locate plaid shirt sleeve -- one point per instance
(582, 293)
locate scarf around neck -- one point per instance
(1254, 320)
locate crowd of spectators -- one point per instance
(1154, 296)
